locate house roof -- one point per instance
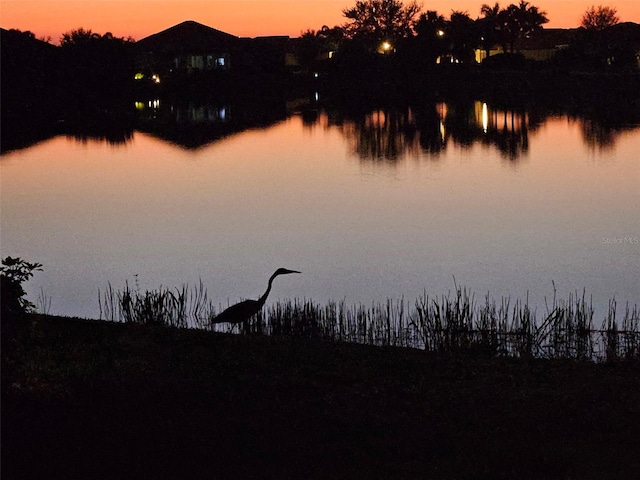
(625, 32)
(187, 36)
(18, 39)
(547, 39)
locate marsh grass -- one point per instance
(184, 307)
(454, 323)
(43, 303)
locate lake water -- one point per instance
(384, 203)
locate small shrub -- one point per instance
(13, 273)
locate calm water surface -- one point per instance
(387, 205)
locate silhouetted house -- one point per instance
(27, 60)
(191, 47)
(187, 47)
(616, 48)
(30, 87)
(544, 44)
(266, 55)
(622, 44)
(540, 46)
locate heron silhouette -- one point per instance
(243, 311)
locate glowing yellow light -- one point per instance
(485, 117)
(139, 76)
(155, 78)
(139, 105)
(386, 46)
(441, 33)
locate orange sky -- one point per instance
(139, 18)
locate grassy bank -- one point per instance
(91, 399)
(451, 324)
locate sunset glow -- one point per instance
(245, 18)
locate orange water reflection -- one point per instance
(395, 133)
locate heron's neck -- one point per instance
(263, 298)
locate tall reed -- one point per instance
(181, 307)
(449, 324)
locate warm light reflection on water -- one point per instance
(313, 197)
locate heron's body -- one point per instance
(243, 311)
(239, 312)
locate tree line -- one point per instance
(92, 68)
(390, 26)
(88, 61)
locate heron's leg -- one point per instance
(237, 328)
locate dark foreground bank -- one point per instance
(89, 399)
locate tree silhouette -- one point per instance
(78, 37)
(488, 26)
(430, 29)
(308, 49)
(461, 35)
(599, 18)
(530, 18)
(519, 21)
(98, 66)
(380, 20)
(331, 37)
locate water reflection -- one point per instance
(113, 127)
(293, 194)
(383, 135)
(392, 133)
(114, 133)
(601, 136)
(189, 114)
(417, 128)
(508, 130)
(193, 124)
(190, 124)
